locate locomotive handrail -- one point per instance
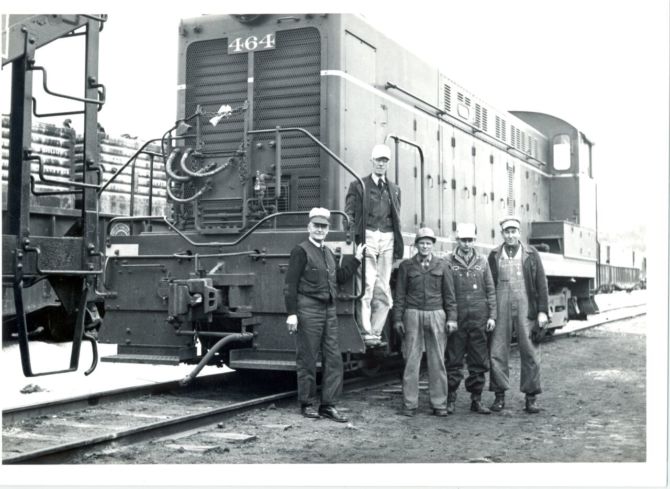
(130, 160)
(364, 213)
(92, 84)
(418, 99)
(441, 114)
(44, 178)
(415, 145)
(53, 114)
(213, 243)
(50, 192)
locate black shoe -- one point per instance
(531, 406)
(476, 407)
(331, 412)
(440, 412)
(309, 412)
(408, 412)
(451, 402)
(499, 402)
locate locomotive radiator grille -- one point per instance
(287, 93)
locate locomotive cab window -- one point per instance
(561, 152)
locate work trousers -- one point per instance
(377, 299)
(470, 339)
(424, 328)
(513, 313)
(318, 334)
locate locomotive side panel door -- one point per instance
(359, 104)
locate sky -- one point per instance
(600, 65)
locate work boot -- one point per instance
(499, 402)
(451, 402)
(531, 405)
(476, 405)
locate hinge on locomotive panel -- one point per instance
(439, 223)
(453, 142)
(474, 190)
(493, 196)
(414, 125)
(453, 184)
(474, 151)
(493, 233)
(453, 225)
(416, 219)
(415, 172)
(491, 159)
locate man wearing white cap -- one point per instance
(476, 301)
(379, 228)
(310, 294)
(523, 300)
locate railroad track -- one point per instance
(67, 430)
(618, 313)
(69, 433)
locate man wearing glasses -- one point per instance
(476, 302)
(310, 295)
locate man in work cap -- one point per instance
(424, 301)
(476, 301)
(310, 293)
(523, 300)
(380, 229)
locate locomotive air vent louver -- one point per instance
(447, 98)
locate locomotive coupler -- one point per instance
(193, 300)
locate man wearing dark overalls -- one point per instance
(523, 301)
(310, 295)
(476, 302)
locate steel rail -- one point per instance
(13, 415)
(67, 452)
(636, 311)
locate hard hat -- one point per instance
(425, 233)
(319, 215)
(510, 222)
(466, 230)
(381, 151)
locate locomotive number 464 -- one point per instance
(252, 43)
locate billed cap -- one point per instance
(319, 215)
(425, 233)
(510, 222)
(466, 230)
(381, 151)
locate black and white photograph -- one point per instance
(392, 245)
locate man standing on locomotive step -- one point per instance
(523, 300)
(424, 314)
(380, 230)
(310, 294)
(476, 301)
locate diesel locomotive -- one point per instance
(277, 114)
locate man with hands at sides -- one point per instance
(424, 301)
(310, 294)
(476, 301)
